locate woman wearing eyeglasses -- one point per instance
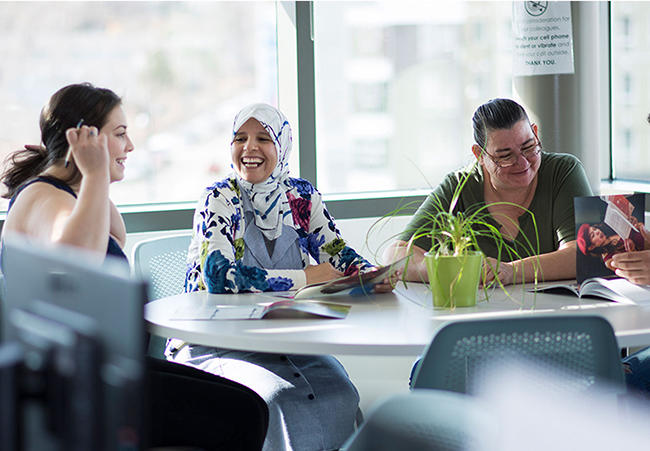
(516, 176)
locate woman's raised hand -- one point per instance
(90, 150)
(321, 273)
(633, 266)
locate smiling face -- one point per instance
(596, 237)
(511, 141)
(253, 152)
(119, 143)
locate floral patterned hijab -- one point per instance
(269, 201)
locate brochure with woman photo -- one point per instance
(352, 285)
(606, 225)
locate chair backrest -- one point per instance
(164, 261)
(580, 349)
(424, 420)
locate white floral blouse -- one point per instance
(215, 254)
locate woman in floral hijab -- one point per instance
(256, 231)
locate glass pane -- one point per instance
(184, 69)
(397, 84)
(630, 47)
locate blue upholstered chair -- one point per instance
(579, 349)
(163, 261)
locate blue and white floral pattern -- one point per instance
(214, 257)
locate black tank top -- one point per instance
(113, 248)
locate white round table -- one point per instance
(401, 323)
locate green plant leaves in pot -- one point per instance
(454, 279)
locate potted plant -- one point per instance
(454, 260)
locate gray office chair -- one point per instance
(580, 350)
(424, 420)
(163, 261)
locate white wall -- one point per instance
(375, 377)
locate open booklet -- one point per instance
(284, 309)
(605, 226)
(352, 285)
(615, 289)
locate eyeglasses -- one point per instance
(511, 158)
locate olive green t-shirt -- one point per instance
(561, 177)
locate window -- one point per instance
(396, 86)
(630, 65)
(183, 69)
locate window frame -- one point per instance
(152, 217)
(349, 205)
(179, 215)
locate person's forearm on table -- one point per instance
(556, 265)
(416, 270)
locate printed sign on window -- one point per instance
(543, 38)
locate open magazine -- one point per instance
(352, 285)
(284, 309)
(614, 289)
(605, 226)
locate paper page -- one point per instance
(210, 312)
(560, 287)
(280, 309)
(617, 221)
(306, 309)
(597, 286)
(630, 292)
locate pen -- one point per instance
(67, 157)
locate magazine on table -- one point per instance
(612, 289)
(352, 285)
(605, 226)
(285, 309)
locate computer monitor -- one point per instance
(72, 355)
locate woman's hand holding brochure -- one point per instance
(379, 280)
(633, 266)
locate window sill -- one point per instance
(178, 215)
(624, 187)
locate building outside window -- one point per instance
(630, 65)
(404, 77)
(396, 84)
(183, 69)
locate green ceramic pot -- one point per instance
(454, 280)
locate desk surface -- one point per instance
(398, 323)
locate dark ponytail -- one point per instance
(496, 114)
(63, 111)
(23, 165)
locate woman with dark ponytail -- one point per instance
(65, 110)
(22, 165)
(59, 194)
(69, 204)
(529, 196)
